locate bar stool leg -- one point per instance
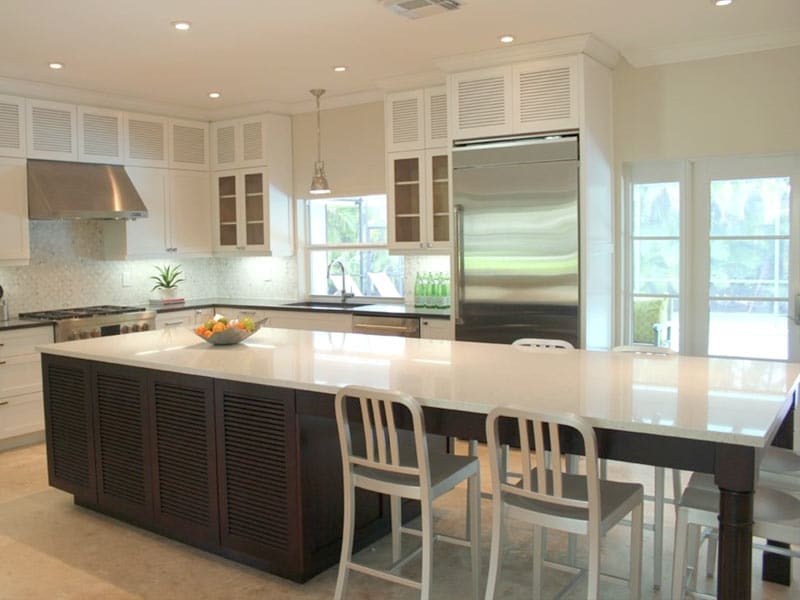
(395, 503)
(658, 529)
(635, 574)
(427, 548)
(475, 534)
(472, 450)
(347, 541)
(572, 539)
(496, 550)
(679, 558)
(593, 576)
(538, 559)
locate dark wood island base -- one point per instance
(252, 473)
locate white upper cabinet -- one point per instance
(12, 126)
(405, 121)
(546, 95)
(480, 103)
(238, 144)
(100, 133)
(188, 143)
(178, 219)
(145, 140)
(14, 246)
(436, 117)
(52, 130)
(533, 97)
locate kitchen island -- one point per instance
(234, 449)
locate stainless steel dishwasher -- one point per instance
(379, 325)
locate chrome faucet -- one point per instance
(345, 293)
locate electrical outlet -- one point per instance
(126, 279)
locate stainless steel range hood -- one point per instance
(70, 190)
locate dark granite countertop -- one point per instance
(356, 308)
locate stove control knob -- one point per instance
(145, 327)
(95, 333)
(125, 329)
(135, 327)
(84, 335)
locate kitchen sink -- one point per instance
(328, 305)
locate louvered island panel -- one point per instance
(182, 422)
(257, 474)
(68, 425)
(122, 453)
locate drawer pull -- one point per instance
(171, 323)
(4, 402)
(2, 362)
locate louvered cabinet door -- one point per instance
(123, 456)
(68, 426)
(224, 144)
(100, 135)
(145, 140)
(257, 458)
(405, 121)
(12, 126)
(184, 455)
(253, 142)
(52, 130)
(546, 95)
(436, 117)
(188, 145)
(480, 103)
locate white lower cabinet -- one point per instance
(436, 329)
(189, 318)
(21, 403)
(300, 319)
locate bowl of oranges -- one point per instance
(223, 332)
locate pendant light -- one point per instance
(319, 183)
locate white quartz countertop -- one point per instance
(722, 400)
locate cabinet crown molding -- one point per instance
(577, 44)
(412, 81)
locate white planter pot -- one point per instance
(168, 293)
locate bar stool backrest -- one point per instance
(549, 481)
(377, 411)
(543, 343)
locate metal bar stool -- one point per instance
(388, 467)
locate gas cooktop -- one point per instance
(81, 313)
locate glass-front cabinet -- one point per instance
(419, 200)
(241, 211)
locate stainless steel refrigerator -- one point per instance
(516, 232)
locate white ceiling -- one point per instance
(268, 50)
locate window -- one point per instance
(353, 231)
(725, 267)
(654, 251)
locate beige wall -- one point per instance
(352, 148)
(735, 105)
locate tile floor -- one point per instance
(51, 549)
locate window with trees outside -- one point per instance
(352, 231)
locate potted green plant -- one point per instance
(167, 280)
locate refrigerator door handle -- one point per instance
(458, 245)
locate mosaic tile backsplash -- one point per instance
(68, 268)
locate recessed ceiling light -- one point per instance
(182, 25)
(214, 95)
(340, 69)
(722, 2)
(506, 39)
(56, 65)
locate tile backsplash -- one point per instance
(68, 268)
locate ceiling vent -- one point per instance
(417, 9)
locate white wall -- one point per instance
(352, 148)
(735, 105)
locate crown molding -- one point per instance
(576, 44)
(714, 48)
(72, 95)
(249, 109)
(412, 81)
